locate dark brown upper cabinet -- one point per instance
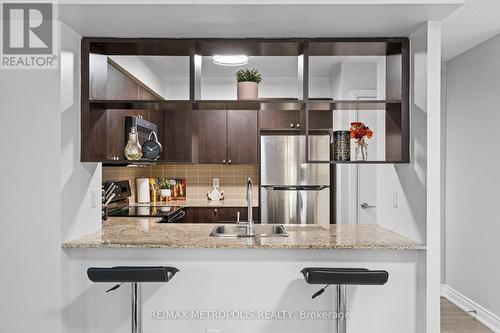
(198, 126)
(210, 136)
(279, 119)
(242, 137)
(294, 120)
(320, 120)
(225, 136)
(120, 86)
(177, 135)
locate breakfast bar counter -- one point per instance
(244, 274)
(130, 232)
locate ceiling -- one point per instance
(237, 18)
(472, 24)
(467, 26)
(166, 66)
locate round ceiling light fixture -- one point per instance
(230, 60)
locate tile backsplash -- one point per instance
(232, 178)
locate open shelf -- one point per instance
(320, 104)
(359, 162)
(261, 104)
(139, 104)
(318, 84)
(117, 163)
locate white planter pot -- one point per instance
(165, 193)
(248, 90)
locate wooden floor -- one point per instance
(454, 320)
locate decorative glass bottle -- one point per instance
(133, 149)
(361, 150)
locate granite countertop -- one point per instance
(131, 232)
(199, 203)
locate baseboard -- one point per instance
(484, 316)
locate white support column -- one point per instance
(434, 190)
(426, 161)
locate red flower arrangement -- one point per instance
(360, 131)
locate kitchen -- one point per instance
(242, 140)
(247, 193)
(210, 165)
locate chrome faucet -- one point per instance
(248, 225)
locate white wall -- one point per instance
(45, 196)
(176, 87)
(78, 179)
(30, 228)
(359, 76)
(409, 181)
(217, 87)
(418, 212)
(472, 179)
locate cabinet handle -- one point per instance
(223, 161)
(229, 161)
(291, 125)
(298, 125)
(215, 210)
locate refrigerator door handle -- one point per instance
(295, 188)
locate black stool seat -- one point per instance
(344, 276)
(131, 274)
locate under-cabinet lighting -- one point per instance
(230, 60)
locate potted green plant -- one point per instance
(165, 189)
(248, 83)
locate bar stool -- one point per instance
(341, 277)
(134, 275)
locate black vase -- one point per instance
(341, 146)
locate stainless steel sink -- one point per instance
(263, 230)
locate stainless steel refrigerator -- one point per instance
(292, 191)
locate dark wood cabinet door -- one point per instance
(177, 135)
(242, 137)
(229, 214)
(209, 136)
(279, 119)
(218, 214)
(201, 215)
(145, 95)
(119, 86)
(320, 119)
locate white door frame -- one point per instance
(354, 201)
